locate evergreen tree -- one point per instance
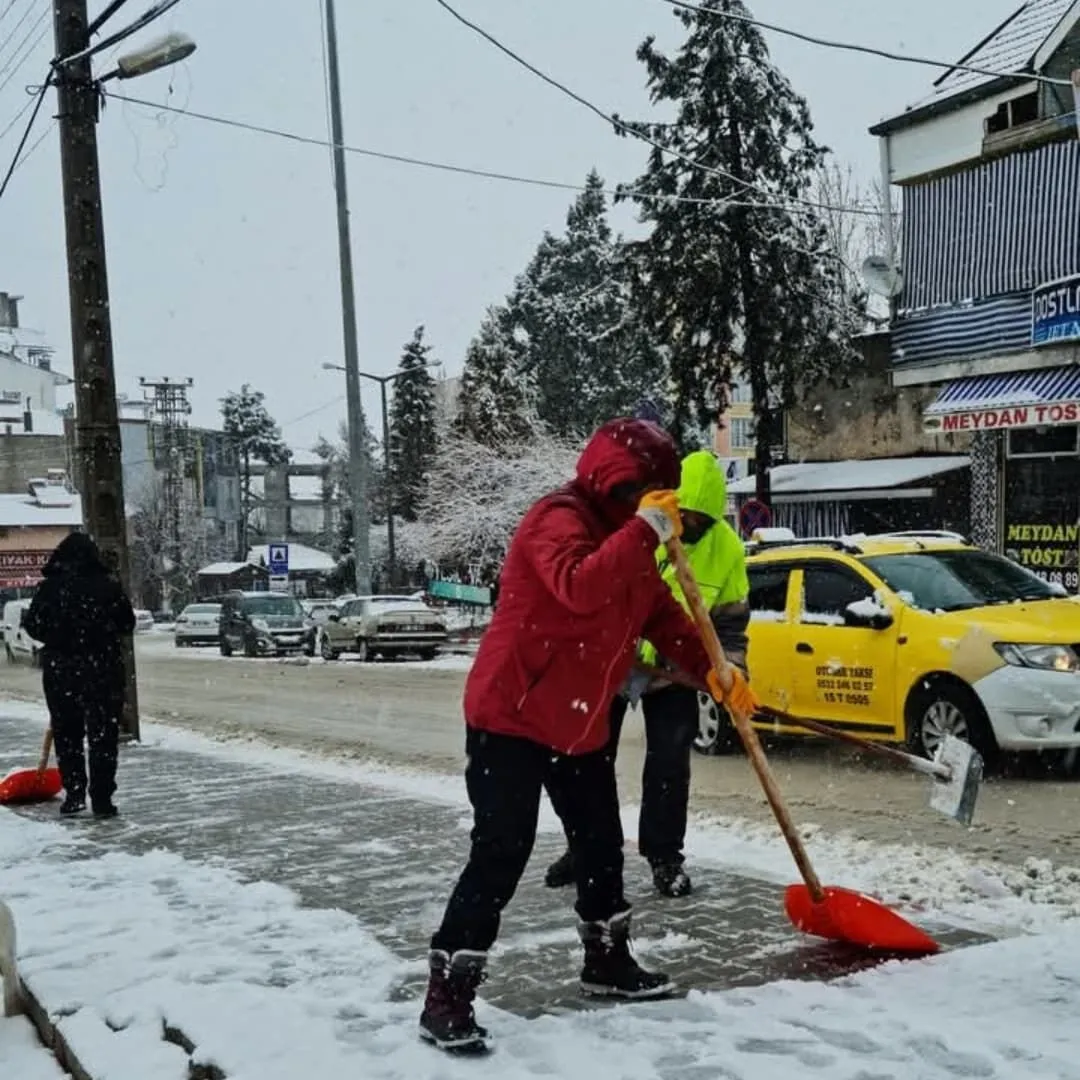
(412, 427)
(749, 283)
(256, 438)
(572, 314)
(496, 405)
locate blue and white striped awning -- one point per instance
(1040, 398)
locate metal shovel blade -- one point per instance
(848, 916)
(956, 796)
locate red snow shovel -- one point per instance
(32, 785)
(833, 913)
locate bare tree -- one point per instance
(853, 219)
(478, 494)
(166, 565)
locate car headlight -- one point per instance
(1043, 657)
(261, 625)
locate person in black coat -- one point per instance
(80, 615)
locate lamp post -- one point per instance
(97, 425)
(384, 381)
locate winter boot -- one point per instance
(448, 1020)
(610, 970)
(671, 879)
(561, 871)
(104, 808)
(72, 805)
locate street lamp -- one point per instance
(160, 53)
(384, 381)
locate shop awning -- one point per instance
(853, 481)
(1022, 399)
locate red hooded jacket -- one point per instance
(578, 588)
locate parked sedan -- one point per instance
(383, 626)
(144, 621)
(198, 625)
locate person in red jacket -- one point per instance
(579, 587)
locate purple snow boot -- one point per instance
(448, 1020)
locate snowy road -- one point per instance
(409, 714)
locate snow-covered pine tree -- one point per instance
(256, 438)
(412, 427)
(572, 316)
(496, 404)
(746, 282)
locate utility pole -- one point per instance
(391, 552)
(357, 450)
(97, 426)
(171, 449)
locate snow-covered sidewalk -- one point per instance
(166, 923)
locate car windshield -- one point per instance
(959, 579)
(272, 605)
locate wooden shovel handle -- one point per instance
(46, 750)
(745, 728)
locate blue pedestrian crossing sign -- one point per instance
(278, 560)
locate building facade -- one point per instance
(986, 321)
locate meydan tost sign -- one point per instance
(1055, 312)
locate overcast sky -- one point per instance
(222, 244)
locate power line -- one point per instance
(627, 129)
(16, 118)
(22, 18)
(10, 4)
(29, 33)
(461, 170)
(25, 135)
(26, 56)
(868, 50)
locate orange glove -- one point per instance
(737, 697)
(661, 510)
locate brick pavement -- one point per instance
(391, 860)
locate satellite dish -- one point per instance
(881, 277)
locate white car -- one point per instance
(383, 626)
(17, 642)
(143, 621)
(198, 624)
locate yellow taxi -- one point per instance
(907, 637)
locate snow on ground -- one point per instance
(22, 1057)
(962, 889)
(267, 989)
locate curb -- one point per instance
(50, 1036)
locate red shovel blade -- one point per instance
(28, 785)
(844, 915)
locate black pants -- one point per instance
(83, 708)
(504, 777)
(671, 724)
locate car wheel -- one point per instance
(428, 654)
(948, 708)
(223, 646)
(363, 651)
(716, 734)
(326, 650)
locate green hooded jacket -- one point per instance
(718, 558)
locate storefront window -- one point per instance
(1042, 504)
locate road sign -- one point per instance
(279, 583)
(279, 560)
(754, 514)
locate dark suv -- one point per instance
(264, 624)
